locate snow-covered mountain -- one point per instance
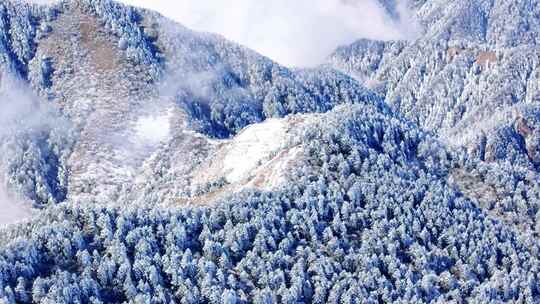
(166, 165)
(119, 67)
(471, 76)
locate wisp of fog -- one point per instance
(11, 210)
(19, 113)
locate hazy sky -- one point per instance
(292, 32)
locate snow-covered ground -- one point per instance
(253, 145)
(261, 156)
(273, 174)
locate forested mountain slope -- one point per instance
(368, 218)
(172, 166)
(472, 75)
(118, 67)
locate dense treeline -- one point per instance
(224, 87)
(231, 104)
(369, 219)
(18, 25)
(377, 210)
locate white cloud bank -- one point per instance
(19, 111)
(292, 32)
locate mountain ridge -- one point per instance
(398, 171)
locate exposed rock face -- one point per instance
(485, 59)
(101, 92)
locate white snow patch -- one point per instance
(256, 143)
(281, 167)
(274, 173)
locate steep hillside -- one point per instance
(118, 65)
(475, 59)
(368, 218)
(171, 166)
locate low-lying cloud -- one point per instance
(18, 109)
(12, 210)
(34, 141)
(294, 33)
(153, 129)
